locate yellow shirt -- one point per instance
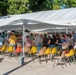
(13, 39)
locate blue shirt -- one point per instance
(3, 35)
(63, 40)
(1, 39)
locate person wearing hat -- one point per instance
(8, 34)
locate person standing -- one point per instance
(1, 41)
(74, 36)
(25, 35)
(13, 40)
(70, 41)
(3, 35)
(38, 41)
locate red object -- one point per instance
(66, 52)
(18, 49)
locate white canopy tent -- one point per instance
(39, 20)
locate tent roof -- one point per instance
(39, 20)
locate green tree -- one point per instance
(69, 3)
(3, 7)
(73, 3)
(25, 6)
(39, 5)
(17, 6)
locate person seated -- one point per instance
(42, 51)
(33, 42)
(75, 45)
(28, 44)
(18, 48)
(65, 47)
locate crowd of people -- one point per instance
(41, 41)
(64, 41)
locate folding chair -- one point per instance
(10, 50)
(70, 56)
(3, 50)
(41, 54)
(60, 59)
(33, 51)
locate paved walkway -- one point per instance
(12, 67)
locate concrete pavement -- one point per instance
(12, 67)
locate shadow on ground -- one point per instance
(25, 63)
(1, 59)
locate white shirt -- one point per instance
(38, 39)
(26, 34)
(75, 47)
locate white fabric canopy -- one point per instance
(40, 20)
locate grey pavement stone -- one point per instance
(12, 67)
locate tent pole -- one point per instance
(55, 30)
(23, 41)
(21, 59)
(66, 30)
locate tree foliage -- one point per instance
(3, 7)
(17, 6)
(25, 6)
(38, 5)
